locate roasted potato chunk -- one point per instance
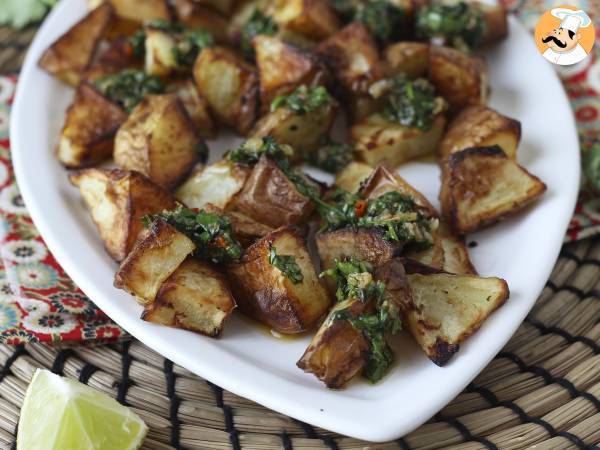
(460, 79)
(434, 256)
(152, 260)
(159, 52)
(450, 308)
(90, 125)
(160, 141)
(117, 57)
(216, 183)
(456, 254)
(141, 12)
(409, 58)
(230, 86)
(283, 67)
(222, 6)
(268, 294)
(195, 15)
(71, 54)
(351, 176)
(269, 197)
(480, 126)
(118, 200)
(312, 18)
(379, 141)
(195, 297)
(495, 19)
(246, 230)
(196, 107)
(481, 186)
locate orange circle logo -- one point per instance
(565, 35)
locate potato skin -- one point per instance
(312, 18)
(460, 79)
(160, 141)
(264, 293)
(269, 197)
(409, 58)
(140, 12)
(194, 15)
(197, 108)
(230, 86)
(352, 176)
(71, 54)
(195, 297)
(118, 56)
(90, 125)
(118, 200)
(496, 23)
(480, 126)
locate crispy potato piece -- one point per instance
(269, 197)
(351, 176)
(434, 256)
(118, 200)
(242, 12)
(195, 297)
(338, 351)
(216, 183)
(456, 254)
(224, 7)
(118, 56)
(71, 54)
(90, 126)
(450, 308)
(460, 79)
(246, 230)
(152, 260)
(312, 18)
(141, 12)
(196, 107)
(303, 132)
(195, 15)
(409, 58)
(265, 293)
(160, 141)
(283, 67)
(480, 126)
(481, 186)
(159, 56)
(381, 142)
(495, 19)
(230, 86)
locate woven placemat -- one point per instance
(542, 391)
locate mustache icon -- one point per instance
(555, 40)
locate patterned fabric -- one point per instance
(38, 301)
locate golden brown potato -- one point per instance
(159, 52)
(152, 260)
(351, 176)
(195, 297)
(266, 293)
(480, 126)
(141, 12)
(194, 15)
(409, 58)
(216, 183)
(196, 107)
(338, 351)
(230, 86)
(303, 132)
(456, 254)
(71, 54)
(450, 308)
(117, 57)
(242, 13)
(495, 19)
(460, 79)
(434, 256)
(90, 125)
(269, 197)
(312, 18)
(283, 67)
(481, 186)
(379, 141)
(246, 230)
(160, 141)
(118, 200)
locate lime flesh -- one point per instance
(59, 413)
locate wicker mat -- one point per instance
(542, 390)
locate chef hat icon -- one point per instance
(571, 20)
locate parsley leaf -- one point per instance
(287, 265)
(257, 24)
(303, 100)
(129, 87)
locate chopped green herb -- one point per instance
(355, 280)
(257, 24)
(333, 156)
(190, 45)
(129, 87)
(411, 102)
(211, 232)
(345, 8)
(384, 20)
(303, 100)
(138, 39)
(138, 42)
(459, 25)
(287, 265)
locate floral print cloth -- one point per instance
(39, 302)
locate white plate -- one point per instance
(252, 364)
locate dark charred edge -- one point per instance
(458, 157)
(441, 352)
(412, 266)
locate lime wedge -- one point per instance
(59, 413)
